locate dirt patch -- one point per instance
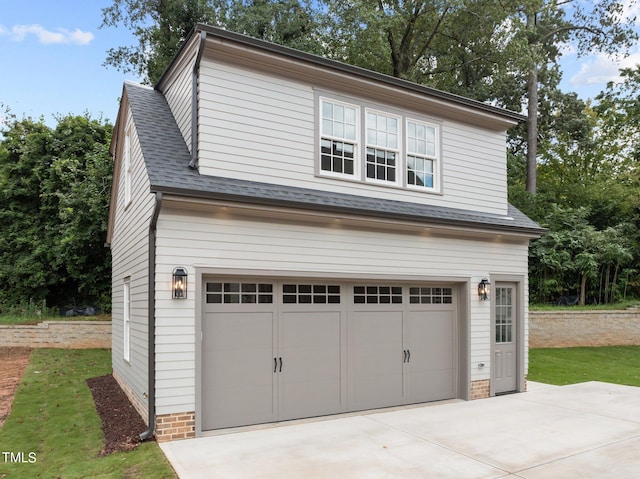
(121, 423)
(14, 361)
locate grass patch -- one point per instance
(15, 319)
(53, 416)
(560, 366)
(597, 307)
(34, 313)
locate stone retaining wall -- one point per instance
(562, 329)
(57, 334)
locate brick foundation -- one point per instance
(170, 427)
(480, 389)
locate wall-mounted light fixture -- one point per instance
(179, 283)
(483, 289)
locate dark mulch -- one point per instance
(14, 361)
(121, 423)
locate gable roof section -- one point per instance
(167, 158)
(256, 54)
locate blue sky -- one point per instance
(51, 55)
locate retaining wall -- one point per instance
(562, 329)
(58, 334)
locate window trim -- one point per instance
(357, 174)
(126, 319)
(399, 170)
(437, 172)
(404, 117)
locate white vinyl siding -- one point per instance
(126, 165)
(126, 320)
(130, 253)
(262, 127)
(220, 240)
(179, 95)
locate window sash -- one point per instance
(383, 158)
(422, 155)
(339, 133)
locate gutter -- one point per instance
(151, 340)
(193, 164)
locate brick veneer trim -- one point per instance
(480, 389)
(170, 427)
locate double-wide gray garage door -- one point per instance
(278, 350)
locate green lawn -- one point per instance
(12, 319)
(611, 364)
(630, 303)
(54, 418)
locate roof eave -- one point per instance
(527, 232)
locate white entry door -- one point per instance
(505, 334)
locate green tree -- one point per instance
(54, 192)
(549, 23)
(490, 51)
(563, 259)
(160, 27)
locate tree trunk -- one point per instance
(583, 287)
(614, 285)
(532, 116)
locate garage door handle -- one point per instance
(280, 365)
(405, 356)
(408, 355)
(275, 365)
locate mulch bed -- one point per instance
(14, 361)
(121, 423)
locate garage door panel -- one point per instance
(337, 348)
(433, 385)
(310, 345)
(375, 358)
(238, 378)
(431, 336)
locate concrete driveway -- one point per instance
(588, 430)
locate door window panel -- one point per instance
(504, 315)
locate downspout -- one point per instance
(151, 340)
(193, 164)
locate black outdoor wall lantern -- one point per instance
(483, 289)
(179, 283)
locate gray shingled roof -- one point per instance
(167, 157)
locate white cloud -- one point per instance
(630, 11)
(18, 33)
(600, 69)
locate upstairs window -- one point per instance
(383, 151)
(373, 144)
(422, 154)
(338, 138)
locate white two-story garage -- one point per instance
(295, 237)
